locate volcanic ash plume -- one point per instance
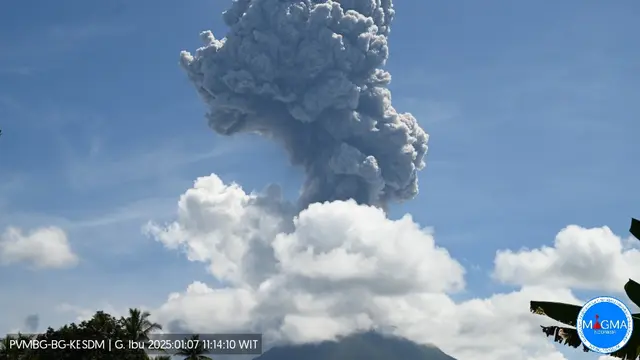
(308, 74)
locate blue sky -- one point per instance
(531, 110)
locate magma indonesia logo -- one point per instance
(604, 325)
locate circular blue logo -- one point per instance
(604, 325)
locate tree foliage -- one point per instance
(194, 353)
(102, 326)
(568, 315)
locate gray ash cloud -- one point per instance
(309, 75)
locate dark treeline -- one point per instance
(102, 326)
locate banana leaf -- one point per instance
(568, 313)
(635, 228)
(564, 313)
(564, 336)
(632, 289)
(569, 337)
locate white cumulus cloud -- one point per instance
(338, 267)
(580, 258)
(40, 248)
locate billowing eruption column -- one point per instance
(307, 73)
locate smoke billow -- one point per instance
(32, 322)
(308, 74)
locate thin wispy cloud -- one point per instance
(16, 71)
(8, 102)
(147, 162)
(135, 211)
(22, 54)
(87, 31)
(8, 184)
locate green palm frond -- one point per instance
(195, 353)
(138, 326)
